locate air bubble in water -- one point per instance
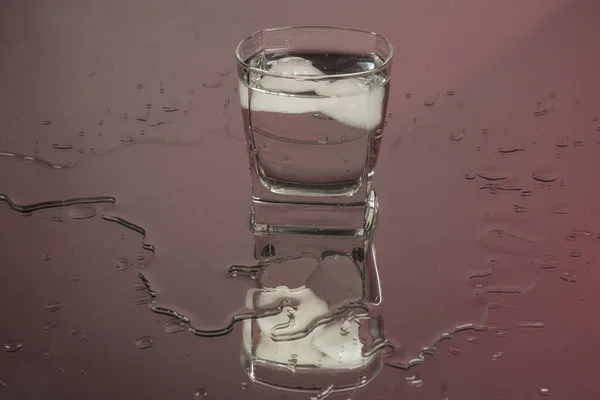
(46, 122)
(470, 176)
(286, 160)
(144, 342)
(544, 391)
(126, 138)
(575, 253)
(47, 256)
(429, 103)
(472, 339)
(81, 211)
(497, 355)
(200, 393)
(323, 139)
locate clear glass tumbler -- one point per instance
(314, 101)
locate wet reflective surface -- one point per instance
(126, 196)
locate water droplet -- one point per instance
(429, 103)
(139, 287)
(470, 176)
(224, 72)
(2, 384)
(141, 300)
(492, 174)
(139, 86)
(543, 175)
(174, 327)
(449, 92)
(162, 90)
(472, 339)
(408, 95)
(519, 209)
(510, 149)
(414, 380)
(568, 276)
(544, 391)
(82, 372)
(497, 355)
(457, 136)
(48, 355)
(80, 150)
(144, 342)
(50, 326)
(12, 346)
(286, 160)
(200, 393)
(577, 143)
(454, 350)
(212, 83)
(543, 112)
(531, 324)
(575, 254)
(121, 263)
(46, 122)
(323, 139)
(126, 138)
(81, 211)
(62, 145)
(244, 385)
(74, 332)
(61, 369)
(171, 108)
(47, 256)
(53, 307)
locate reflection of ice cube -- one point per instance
(290, 66)
(310, 308)
(341, 350)
(352, 103)
(325, 346)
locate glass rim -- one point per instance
(379, 68)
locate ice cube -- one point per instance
(289, 67)
(277, 103)
(352, 104)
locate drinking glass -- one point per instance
(314, 101)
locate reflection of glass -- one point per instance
(314, 103)
(326, 335)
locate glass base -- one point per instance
(358, 220)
